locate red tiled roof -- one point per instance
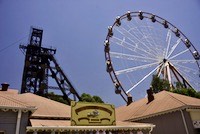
(10, 91)
(164, 102)
(10, 100)
(46, 108)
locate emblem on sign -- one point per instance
(93, 113)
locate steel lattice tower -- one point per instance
(40, 64)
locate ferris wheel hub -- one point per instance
(164, 60)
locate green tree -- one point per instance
(55, 97)
(198, 95)
(159, 84)
(98, 99)
(179, 85)
(84, 97)
(186, 91)
(88, 98)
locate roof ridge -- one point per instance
(8, 97)
(43, 98)
(164, 102)
(168, 93)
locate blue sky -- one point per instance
(77, 29)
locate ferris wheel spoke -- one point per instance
(145, 38)
(136, 30)
(173, 48)
(184, 75)
(183, 61)
(150, 73)
(191, 80)
(195, 82)
(140, 29)
(158, 41)
(133, 42)
(179, 54)
(129, 46)
(189, 77)
(141, 39)
(130, 36)
(168, 40)
(148, 36)
(123, 43)
(187, 69)
(131, 57)
(128, 70)
(151, 34)
(144, 34)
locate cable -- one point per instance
(12, 44)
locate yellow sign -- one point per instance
(92, 114)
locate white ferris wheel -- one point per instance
(140, 44)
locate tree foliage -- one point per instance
(55, 97)
(159, 84)
(88, 98)
(84, 97)
(186, 91)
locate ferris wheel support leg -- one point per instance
(169, 76)
(185, 82)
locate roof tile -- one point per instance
(46, 107)
(9, 100)
(164, 102)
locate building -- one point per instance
(32, 114)
(14, 113)
(171, 113)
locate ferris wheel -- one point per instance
(140, 44)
